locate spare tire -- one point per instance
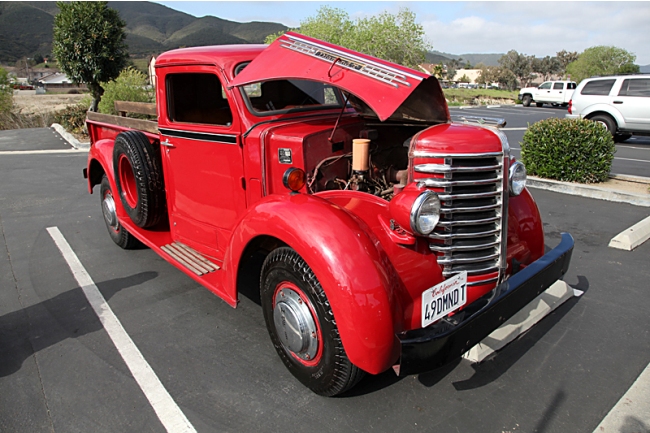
(139, 178)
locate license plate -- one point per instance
(443, 298)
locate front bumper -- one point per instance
(431, 347)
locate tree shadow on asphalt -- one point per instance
(500, 362)
(67, 315)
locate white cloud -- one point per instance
(539, 29)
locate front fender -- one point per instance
(344, 259)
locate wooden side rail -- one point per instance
(123, 107)
(125, 122)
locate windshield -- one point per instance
(282, 95)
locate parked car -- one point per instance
(287, 163)
(549, 92)
(621, 103)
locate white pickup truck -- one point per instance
(549, 92)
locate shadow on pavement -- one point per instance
(67, 315)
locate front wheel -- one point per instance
(527, 99)
(120, 236)
(301, 325)
(607, 122)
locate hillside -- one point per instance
(26, 29)
(473, 58)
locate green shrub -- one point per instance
(132, 85)
(73, 117)
(6, 93)
(572, 150)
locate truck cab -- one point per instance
(383, 235)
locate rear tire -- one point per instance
(119, 234)
(139, 178)
(302, 327)
(527, 99)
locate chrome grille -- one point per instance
(469, 236)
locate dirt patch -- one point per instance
(624, 185)
(28, 102)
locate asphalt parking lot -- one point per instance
(60, 372)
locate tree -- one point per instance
(464, 79)
(393, 37)
(519, 64)
(453, 66)
(601, 60)
(89, 44)
(546, 66)
(6, 93)
(489, 74)
(565, 57)
(131, 85)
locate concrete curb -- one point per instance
(69, 137)
(588, 191)
(536, 310)
(633, 237)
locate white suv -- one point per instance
(621, 103)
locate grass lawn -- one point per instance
(469, 94)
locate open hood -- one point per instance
(376, 87)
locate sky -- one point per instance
(460, 27)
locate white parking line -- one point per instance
(631, 159)
(42, 152)
(170, 415)
(632, 412)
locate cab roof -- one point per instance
(217, 55)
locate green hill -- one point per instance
(26, 29)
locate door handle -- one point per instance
(617, 102)
(166, 143)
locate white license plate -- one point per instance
(443, 298)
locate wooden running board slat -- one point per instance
(190, 258)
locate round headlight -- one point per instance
(425, 213)
(517, 178)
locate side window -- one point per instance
(197, 98)
(598, 87)
(571, 86)
(558, 86)
(635, 87)
(546, 85)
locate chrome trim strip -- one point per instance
(435, 183)
(421, 154)
(480, 283)
(452, 210)
(451, 236)
(443, 168)
(451, 261)
(449, 249)
(447, 197)
(469, 222)
(472, 272)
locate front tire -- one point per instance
(120, 236)
(302, 327)
(607, 122)
(527, 99)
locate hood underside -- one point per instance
(376, 88)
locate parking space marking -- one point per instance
(170, 415)
(631, 159)
(42, 152)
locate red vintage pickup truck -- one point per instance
(382, 234)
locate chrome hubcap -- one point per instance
(294, 324)
(108, 209)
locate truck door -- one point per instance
(202, 159)
(543, 92)
(556, 96)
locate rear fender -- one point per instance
(100, 162)
(344, 259)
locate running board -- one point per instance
(190, 258)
